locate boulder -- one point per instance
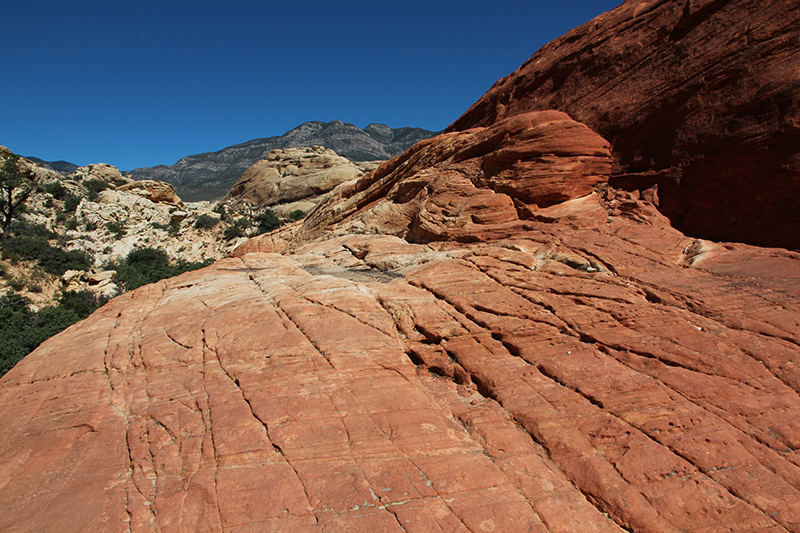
(99, 171)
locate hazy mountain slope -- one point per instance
(209, 175)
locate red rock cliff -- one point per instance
(701, 97)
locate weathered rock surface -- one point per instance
(293, 178)
(700, 97)
(157, 192)
(467, 186)
(593, 379)
(480, 335)
(209, 176)
(572, 363)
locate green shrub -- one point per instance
(148, 265)
(71, 203)
(90, 226)
(93, 188)
(205, 221)
(267, 221)
(116, 228)
(22, 330)
(296, 215)
(220, 210)
(233, 232)
(16, 284)
(53, 260)
(71, 223)
(56, 190)
(20, 228)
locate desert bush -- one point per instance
(22, 330)
(93, 188)
(56, 190)
(267, 221)
(71, 203)
(220, 210)
(21, 228)
(233, 232)
(205, 221)
(53, 260)
(116, 228)
(296, 215)
(148, 265)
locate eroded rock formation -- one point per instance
(480, 335)
(293, 178)
(700, 97)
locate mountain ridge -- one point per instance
(209, 175)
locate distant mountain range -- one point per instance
(58, 166)
(210, 175)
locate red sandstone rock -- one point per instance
(479, 336)
(567, 378)
(700, 97)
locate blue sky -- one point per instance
(144, 83)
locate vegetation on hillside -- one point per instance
(42, 229)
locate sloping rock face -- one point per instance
(561, 361)
(698, 97)
(298, 178)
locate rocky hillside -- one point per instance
(483, 334)
(209, 176)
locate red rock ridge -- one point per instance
(701, 97)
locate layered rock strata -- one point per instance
(572, 363)
(614, 377)
(698, 97)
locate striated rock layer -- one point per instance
(620, 376)
(480, 335)
(495, 351)
(698, 97)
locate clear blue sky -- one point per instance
(144, 83)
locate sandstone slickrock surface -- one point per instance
(481, 335)
(575, 365)
(294, 178)
(700, 97)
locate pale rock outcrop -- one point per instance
(144, 224)
(292, 178)
(99, 282)
(158, 192)
(102, 172)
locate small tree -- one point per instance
(16, 185)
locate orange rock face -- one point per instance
(610, 377)
(699, 97)
(481, 335)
